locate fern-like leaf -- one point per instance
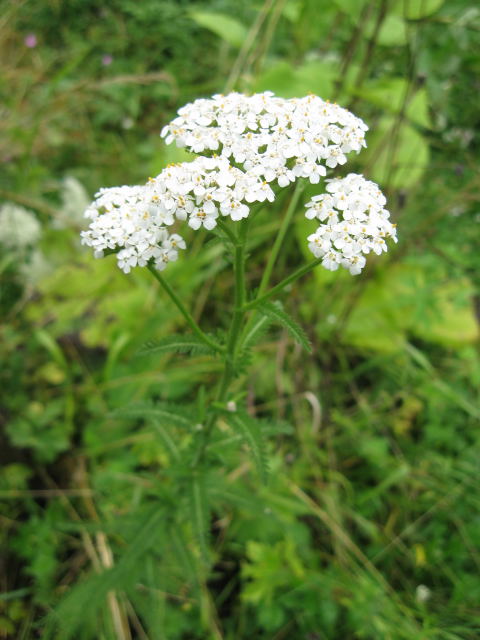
(250, 431)
(166, 438)
(165, 413)
(275, 312)
(257, 331)
(176, 344)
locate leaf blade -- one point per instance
(251, 432)
(279, 316)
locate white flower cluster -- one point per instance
(202, 190)
(247, 143)
(354, 223)
(133, 220)
(272, 137)
(124, 221)
(19, 228)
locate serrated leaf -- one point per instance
(184, 556)
(281, 317)
(176, 344)
(166, 439)
(257, 331)
(163, 412)
(251, 432)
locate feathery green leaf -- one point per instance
(275, 312)
(164, 413)
(257, 331)
(251, 432)
(176, 344)
(166, 438)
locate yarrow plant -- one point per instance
(251, 149)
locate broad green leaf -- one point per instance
(290, 82)
(397, 154)
(275, 312)
(416, 9)
(393, 95)
(176, 344)
(393, 32)
(352, 8)
(226, 27)
(251, 432)
(452, 322)
(409, 299)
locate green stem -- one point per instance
(227, 231)
(188, 317)
(292, 205)
(281, 285)
(232, 339)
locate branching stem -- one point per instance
(232, 338)
(181, 307)
(281, 285)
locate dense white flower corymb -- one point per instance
(354, 223)
(275, 138)
(247, 144)
(123, 220)
(202, 190)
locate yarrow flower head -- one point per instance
(123, 221)
(275, 138)
(354, 223)
(249, 144)
(202, 190)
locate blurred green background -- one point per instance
(369, 527)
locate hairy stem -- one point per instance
(181, 307)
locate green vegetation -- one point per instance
(368, 525)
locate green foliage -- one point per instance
(175, 344)
(229, 29)
(250, 431)
(277, 315)
(368, 525)
(91, 594)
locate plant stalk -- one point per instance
(181, 307)
(281, 285)
(292, 205)
(232, 338)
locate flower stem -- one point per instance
(281, 285)
(232, 339)
(292, 205)
(188, 317)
